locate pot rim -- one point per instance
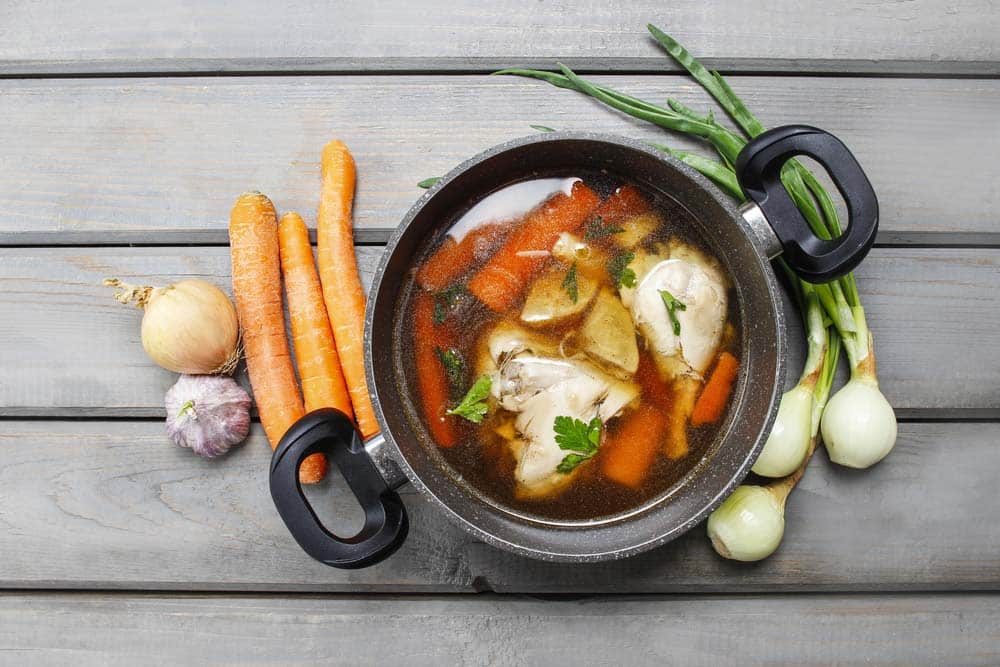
(396, 455)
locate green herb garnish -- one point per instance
(454, 367)
(569, 284)
(673, 305)
(445, 300)
(578, 437)
(541, 128)
(596, 229)
(428, 182)
(473, 407)
(619, 271)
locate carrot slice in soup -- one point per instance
(712, 402)
(432, 378)
(455, 258)
(502, 281)
(628, 453)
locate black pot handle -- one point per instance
(332, 432)
(758, 168)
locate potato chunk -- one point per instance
(549, 301)
(607, 334)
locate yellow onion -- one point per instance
(189, 327)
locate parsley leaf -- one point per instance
(596, 229)
(428, 182)
(619, 271)
(569, 284)
(673, 305)
(579, 437)
(571, 461)
(445, 300)
(454, 367)
(473, 407)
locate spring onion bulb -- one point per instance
(788, 444)
(859, 424)
(749, 525)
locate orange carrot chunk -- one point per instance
(623, 203)
(629, 452)
(502, 281)
(432, 377)
(338, 272)
(712, 402)
(454, 258)
(316, 355)
(253, 240)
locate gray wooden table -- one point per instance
(126, 131)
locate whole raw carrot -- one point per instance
(502, 281)
(432, 377)
(629, 452)
(712, 402)
(338, 272)
(312, 339)
(253, 240)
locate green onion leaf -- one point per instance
(445, 300)
(619, 271)
(454, 367)
(541, 128)
(569, 284)
(673, 305)
(596, 229)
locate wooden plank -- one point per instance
(925, 36)
(68, 349)
(99, 505)
(154, 161)
(843, 630)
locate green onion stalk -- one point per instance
(859, 428)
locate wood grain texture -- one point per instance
(114, 505)
(67, 348)
(842, 630)
(182, 35)
(96, 161)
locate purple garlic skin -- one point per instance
(207, 413)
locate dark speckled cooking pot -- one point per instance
(743, 239)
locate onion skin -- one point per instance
(788, 444)
(859, 425)
(749, 525)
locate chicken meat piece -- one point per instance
(534, 382)
(685, 273)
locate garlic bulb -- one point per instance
(208, 413)
(188, 327)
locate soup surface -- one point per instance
(572, 346)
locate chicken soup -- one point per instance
(573, 346)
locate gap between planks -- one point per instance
(240, 67)
(380, 236)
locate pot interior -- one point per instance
(725, 461)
